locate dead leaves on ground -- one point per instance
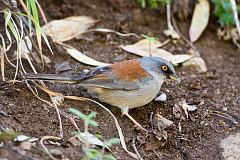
(141, 48)
(199, 20)
(68, 28)
(72, 27)
(79, 56)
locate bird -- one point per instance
(127, 84)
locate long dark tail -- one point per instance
(52, 77)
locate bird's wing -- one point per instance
(126, 75)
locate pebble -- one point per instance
(56, 152)
(162, 97)
(224, 109)
(196, 64)
(191, 108)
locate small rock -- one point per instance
(4, 113)
(162, 97)
(161, 122)
(224, 109)
(231, 147)
(61, 67)
(21, 138)
(56, 153)
(196, 64)
(25, 146)
(191, 108)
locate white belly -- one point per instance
(130, 99)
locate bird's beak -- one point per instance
(174, 77)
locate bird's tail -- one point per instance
(52, 77)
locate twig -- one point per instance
(135, 149)
(2, 59)
(23, 5)
(235, 14)
(42, 12)
(155, 152)
(169, 23)
(45, 148)
(71, 120)
(225, 117)
(59, 117)
(151, 120)
(184, 38)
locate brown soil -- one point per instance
(200, 135)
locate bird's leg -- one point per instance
(125, 112)
(135, 122)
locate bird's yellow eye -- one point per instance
(164, 68)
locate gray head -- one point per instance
(159, 65)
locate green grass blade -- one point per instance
(37, 26)
(29, 15)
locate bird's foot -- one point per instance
(135, 122)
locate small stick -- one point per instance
(169, 23)
(227, 118)
(235, 14)
(184, 38)
(155, 152)
(45, 148)
(59, 117)
(42, 12)
(135, 149)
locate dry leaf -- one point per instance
(25, 45)
(83, 58)
(68, 28)
(89, 138)
(141, 48)
(26, 50)
(86, 138)
(182, 107)
(199, 20)
(160, 122)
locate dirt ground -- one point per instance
(200, 135)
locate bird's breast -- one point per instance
(146, 92)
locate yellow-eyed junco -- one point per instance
(127, 84)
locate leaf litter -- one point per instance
(141, 48)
